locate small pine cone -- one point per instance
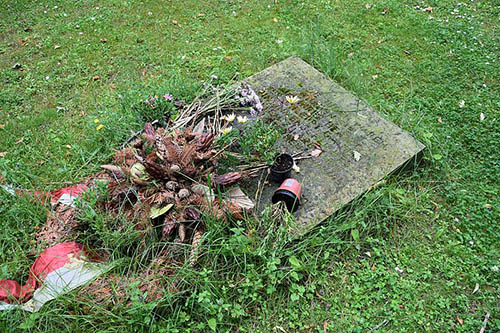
(182, 232)
(149, 133)
(205, 141)
(191, 214)
(187, 154)
(168, 228)
(227, 179)
(161, 148)
(195, 250)
(173, 150)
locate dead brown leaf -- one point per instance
(460, 320)
(95, 77)
(200, 15)
(174, 22)
(19, 141)
(2, 126)
(428, 9)
(316, 152)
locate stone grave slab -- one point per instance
(359, 146)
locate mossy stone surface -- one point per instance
(359, 146)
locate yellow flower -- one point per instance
(226, 130)
(229, 117)
(99, 127)
(292, 99)
(243, 119)
(96, 121)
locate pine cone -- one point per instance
(153, 168)
(195, 250)
(227, 179)
(205, 142)
(161, 148)
(149, 133)
(191, 214)
(168, 229)
(182, 232)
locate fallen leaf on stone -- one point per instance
(476, 288)
(357, 155)
(95, 78)
(316, 152)
(481, 116)
(239, 198)
(157, 211)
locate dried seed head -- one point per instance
(183, 193)
(172, 185)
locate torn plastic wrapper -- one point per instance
(66, 195)
(56, 271)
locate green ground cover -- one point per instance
(404, 257)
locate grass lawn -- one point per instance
(422, 240)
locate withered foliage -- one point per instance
(160, 168)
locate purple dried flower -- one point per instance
(259, 106)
